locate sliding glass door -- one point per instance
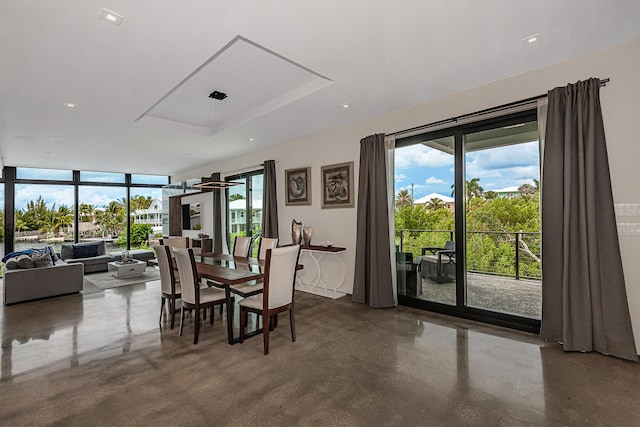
(244, 208)
(468, 221)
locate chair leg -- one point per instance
(211, 314)
(181, 319)
(266, 322)
(293, 325)
(172, 311)
(161, 309)
(197, 331)
(243, 323)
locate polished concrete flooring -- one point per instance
(100, 358)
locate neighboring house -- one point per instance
(238, 219)
(448, 201)
(152, 215)
(507, 192)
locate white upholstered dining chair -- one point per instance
(169, 283)
(277, 295)
(241, 246)
(266, 243)
(193, 296)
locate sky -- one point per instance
(431, 171)
(63, 194)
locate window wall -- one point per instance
(50, 207)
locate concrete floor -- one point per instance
(100, 358)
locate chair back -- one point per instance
(188, 275)
(175, 242)
(167, 275)
(280, 276)
(241, 246)
(266, 243)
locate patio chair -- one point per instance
(439, 264)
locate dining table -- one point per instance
(236, 275)
(240, 276)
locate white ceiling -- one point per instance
(288, 66)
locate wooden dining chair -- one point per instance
(277, 294)
(266, 243)
(242, 246)
(169, 283)
(175, 242)
(193, 296)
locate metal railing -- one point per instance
(500, 253)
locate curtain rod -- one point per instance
(603, 82)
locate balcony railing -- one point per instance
(500, 253)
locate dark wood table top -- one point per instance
(226, 275)
(228, 257)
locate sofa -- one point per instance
(92, 255)
(26, 284)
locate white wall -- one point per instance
(621, 109)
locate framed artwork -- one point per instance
(337, 186)
(298, 186)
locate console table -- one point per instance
(318, 261)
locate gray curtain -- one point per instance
(270, 208)
(584, 300)
(372, 281)
(217, 216)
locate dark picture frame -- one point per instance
(298, 186)
(337, 186)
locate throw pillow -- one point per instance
(25, 261)
(42, 260)
(85, 250)
(11, 263)
(66, 251)
(52, 252)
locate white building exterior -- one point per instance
(152, 215)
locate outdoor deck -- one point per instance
(495, 293)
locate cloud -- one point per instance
(420, 156)
(433, 180)
(58, 194)
(399, 177)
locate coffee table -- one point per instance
(123, 270)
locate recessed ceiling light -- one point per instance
(345, 105)
(532, 38)
(251, 139)
(111, 17)
(70, 104)
(54, 138)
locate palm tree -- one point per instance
(64, 217)
(473, 188)
(403, 198)
(435, 204)
(87, 212)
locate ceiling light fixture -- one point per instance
(208, 182)
(532, 39)
(70, 104)
(345, 105)
(111, 17)
(251, 139)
